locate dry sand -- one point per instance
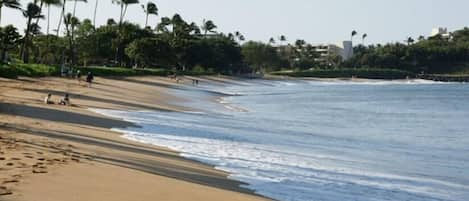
(56, 153)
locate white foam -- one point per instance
(376, 82)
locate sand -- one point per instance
(56, 153)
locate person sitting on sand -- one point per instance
(65, 100)
(89, 79)
(48, 100)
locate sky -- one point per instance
(316, 21)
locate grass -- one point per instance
(28, 70)
(114, 71)
(39, 70)
(370, 73)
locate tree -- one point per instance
(86, 41)
(15, 4)
(261, 57)
(32, 12)
(239, 36)
(409, 41)
(70, 23)
(123, 4)
(282, 39)
(110, 22)
(271, 41)
(9, 39)
(150, 9)
(208, 26)
(354, 33)
(49, 3)
(149, 52)
(75, 7)
(364, 36)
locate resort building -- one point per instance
(440, 31)
(344, 50)
(329, 54)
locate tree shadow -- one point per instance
(92, 98)
(62, 116)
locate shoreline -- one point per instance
(100, 146)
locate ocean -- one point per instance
(309, 140)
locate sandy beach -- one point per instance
(56, 153)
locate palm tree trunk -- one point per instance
(23, 51)
(40, 11)
(94, 16)
(62, 14)
(125, 11)
(117, 57)
(146, 21)
(1, 15)
(74, 7)
(48, 19)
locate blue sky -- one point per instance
(315, 21)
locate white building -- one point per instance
(344, 50)
(440, 31)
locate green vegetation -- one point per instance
(41, 70)
(348, 73)
(28, 70)
(434, 55)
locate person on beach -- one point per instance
(47, 99)
(89, 79)
(65, 100)
(79, 76)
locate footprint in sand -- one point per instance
(4, 191)
(39, 171)
(9, 181)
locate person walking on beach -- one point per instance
(79, 76)
(89, 79)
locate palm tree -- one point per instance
(409, 40)
(421, 38)
(239, 36)
(363, 38)
(70, 23)
(75, 6)
(32, 12)
(354, 33)
(208, 26)
(300, 44)
(271, 41)
(163, 25)
(150, 9)
(15, 4)
(123, 4)
(282, 39)
(48, 4)
(62, 15)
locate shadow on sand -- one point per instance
(61, 116)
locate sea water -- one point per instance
(325, 140)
